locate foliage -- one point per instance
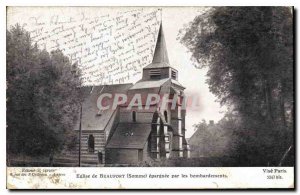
(249, 54)
(42, 95)
(214, 140)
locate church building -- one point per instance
(125, 136)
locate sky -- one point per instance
(173, 19)
(192, 78)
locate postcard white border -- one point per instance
(150, 177)
(5, 3)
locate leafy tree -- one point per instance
(249, 53)
(214, 140)
(42, 96)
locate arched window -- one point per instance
(166, 116)
(133, 116)
(91, 143)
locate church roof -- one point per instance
(160, 56)
(92, 119)
(149, 84)
(154, 84)
(130, 135)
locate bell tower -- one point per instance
(160, 67)
(168, 134)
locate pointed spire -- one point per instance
(160, 52)
(160, 56)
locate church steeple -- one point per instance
(160, 52)
(160, 56)
(160, 67)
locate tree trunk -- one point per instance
(282, 107)
(268, 100)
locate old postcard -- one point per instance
(150, 98)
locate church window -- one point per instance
(134, 116)
(166, 116)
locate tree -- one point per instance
(43, 96)
(214, 140)
(249, 53)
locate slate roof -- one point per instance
(149, 84)
(91, 120)
(153, 84)
(130, 135)
(176, 83)
(157, 65)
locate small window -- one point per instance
(133, 116)
(154, 74)
(174, 75)
(166, 116)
